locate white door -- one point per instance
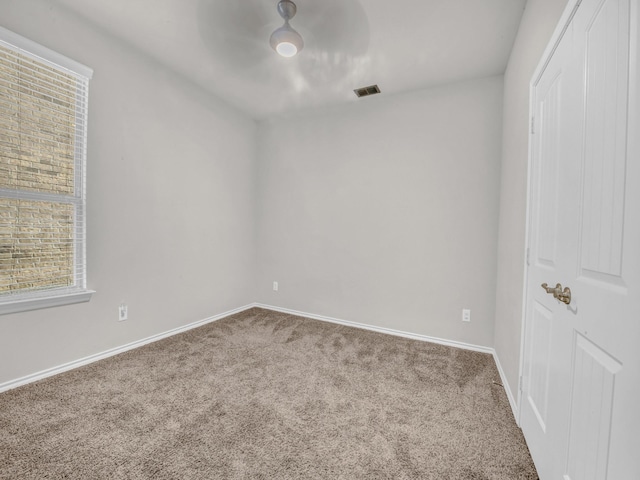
(580, 384)
(546, 390)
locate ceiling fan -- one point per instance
(285, 40)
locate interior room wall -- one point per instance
(170, 201)
(536, 27)
(384, 211)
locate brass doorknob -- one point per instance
(551, 289)
(563, 295)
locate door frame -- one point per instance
(563, 23)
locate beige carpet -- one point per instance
(266, 395)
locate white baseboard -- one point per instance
(507, 388)
(34, 377)
(373, 328)
(414, 336)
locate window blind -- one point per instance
(43, 129)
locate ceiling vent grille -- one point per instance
(366, 91)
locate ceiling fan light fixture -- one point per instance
(285, 40)
(286, 49)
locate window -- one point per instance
(43, 131)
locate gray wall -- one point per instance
(385, 211)
(170, 201)
(536, 27)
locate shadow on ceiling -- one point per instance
(336, 35)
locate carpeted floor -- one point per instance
(265, 395)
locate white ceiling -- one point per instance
(223, 45)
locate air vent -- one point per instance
(366, 91)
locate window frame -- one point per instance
(57, 296)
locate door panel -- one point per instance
(543, 382)
(593, 382)
(606, 53)
(581, 362)
(539, 363)
(607, 283)
(549, 148)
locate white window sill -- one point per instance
(51, 300)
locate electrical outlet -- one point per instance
(123, 312)
(275, 286)
(466, 315)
